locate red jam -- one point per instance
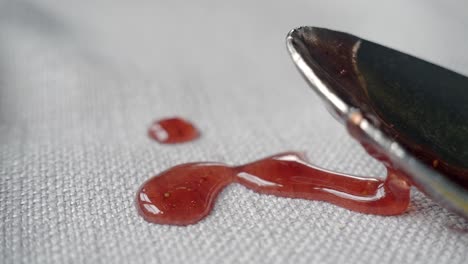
(186, 193)
(173, 130)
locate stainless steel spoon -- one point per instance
(412, 111)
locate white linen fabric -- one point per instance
(80, 82)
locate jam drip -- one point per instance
(173, 130)
(186, 193)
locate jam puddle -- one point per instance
(186, 193)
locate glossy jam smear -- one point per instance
(185, 194)
(173, 130)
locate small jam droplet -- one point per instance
(194, 187)
(173, 130)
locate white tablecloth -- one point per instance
(80, 82)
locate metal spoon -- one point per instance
(413, 112)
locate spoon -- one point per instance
(410, 111)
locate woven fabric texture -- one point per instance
(81, 81)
